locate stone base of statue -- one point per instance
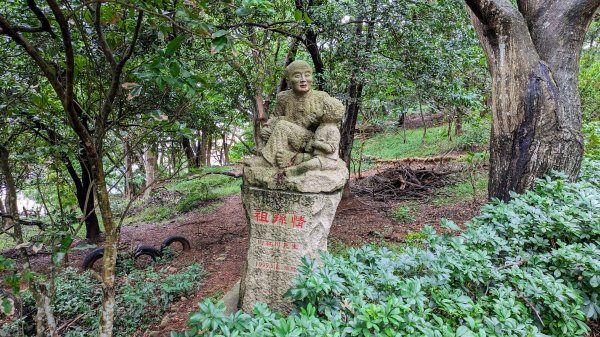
(310, 182)
(284, 227)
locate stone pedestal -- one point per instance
(284, 226)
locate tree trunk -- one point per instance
(315, 55)
(459, 118)
(225, 149)
(129, 187)
(150, 168)
(289, 58)
(355, 88)
(83, 183)
(86, 201)
(38, 291)
(533, 57)
(189, 152)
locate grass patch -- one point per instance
(391, 145)
(151, 214)
(462, 191)
(207, 192)
(196, 192)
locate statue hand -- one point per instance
(309, 146)
(265, 133)
(281, 158)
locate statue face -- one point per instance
(300, 80)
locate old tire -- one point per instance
(185, 244)
(145, 250)
(92, 257)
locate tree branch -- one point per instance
(41, 18)
(48, 71)
(108, 53)
(107, 105)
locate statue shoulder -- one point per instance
(283, 95)
(320, 94)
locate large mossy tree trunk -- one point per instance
(533, 57)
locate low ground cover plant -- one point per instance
(530, 267)
(144, 295)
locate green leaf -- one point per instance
(595, 281)
(307, 19)
(449, 224)
(174, 45)
(159, 115)
(298, 15)
(57, 257)
(175, 68)
(243, 11)
(219, 33)
(463, 331)
(218, 44)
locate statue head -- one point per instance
(299, 76)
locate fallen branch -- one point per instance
(39, 224)
(402, 183)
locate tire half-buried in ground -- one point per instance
(92, 257)
(143, 253)
(185, 244)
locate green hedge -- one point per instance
(530, 267)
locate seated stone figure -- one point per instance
(290, 139)
(294, 119)
(326, 141)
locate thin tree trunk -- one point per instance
(424, 123)
(458, 124)
(189, 152)
(289, 58)
(44, 310)
(225, 150)
(129, 188)
(150, 168)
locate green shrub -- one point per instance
(143, 296)
(530, 267)
(403, 215)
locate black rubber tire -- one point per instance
(185, 244)
(92, 257)
(148, 251)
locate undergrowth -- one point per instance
(143, 296)
(530, 267)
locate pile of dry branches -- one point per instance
(402, 183)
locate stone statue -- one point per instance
(291, 189)
(302, 139)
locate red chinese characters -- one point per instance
(298, 221)
(293, 221)
(261, 216)
(279, 219)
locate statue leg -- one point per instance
(313, 164)
(287, 137)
